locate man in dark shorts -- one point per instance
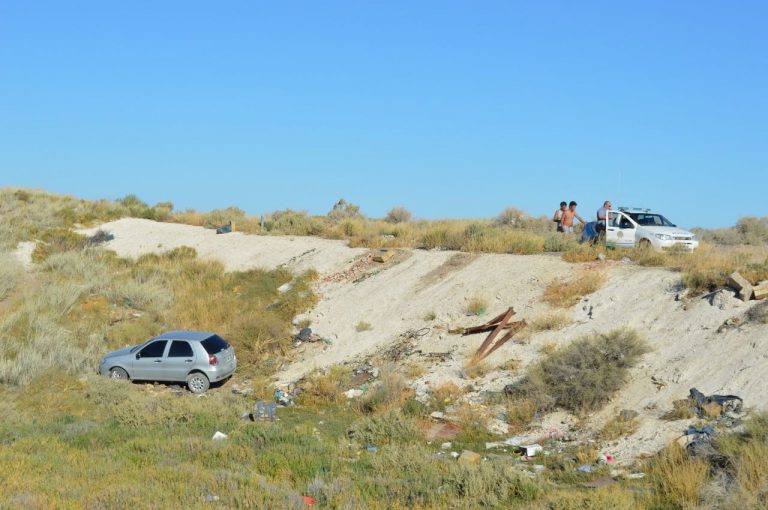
(558, 217)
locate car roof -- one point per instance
(195, 336)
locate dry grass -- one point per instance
(584, 375)
(619, 426)
(548, 348)
(388, 393)
(477, 305)
(681, 410)
(325, 389)
(445, 395)
(363, 326)
(10, 272)
(475, 369)
(549, 321)
(566, 293)
(678, 478)
(520, 413)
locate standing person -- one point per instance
(558, 217)
(602, 215)
(568, 216)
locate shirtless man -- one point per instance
(558, 217)
(568, 216)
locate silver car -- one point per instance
(195, 357)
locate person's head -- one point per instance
(563, 205)
(572, 205)
(607, 204)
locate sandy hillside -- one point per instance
(690, 348)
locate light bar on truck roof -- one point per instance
(634, 209)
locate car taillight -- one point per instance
(212, 359)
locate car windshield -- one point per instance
(651, 220)
(214, 344)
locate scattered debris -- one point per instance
(283, 398)
(371, 448)
(226, 229)
(211, 498)
(218, 436)
(739, 283)
(584, 468)
(353, 393)
(761, 291)
(715, 404)
(446, 446)
(308, 501)
(264, 411)
(532, 450)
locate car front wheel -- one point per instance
(118, 374)
(197, 382)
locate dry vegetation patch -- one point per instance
(566, 293)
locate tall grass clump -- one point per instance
(678, 478)
(549, 321)
(566, 293)
(10, 273)
(584, 375)
(290, 222)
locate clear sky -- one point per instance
(452, 109)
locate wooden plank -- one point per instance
(761, 291)
(383, 255)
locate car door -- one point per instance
(148, 364)
(178, 362)
(620, 230)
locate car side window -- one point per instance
(154, 350)
(625, 223)
(180, 349)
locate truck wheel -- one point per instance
(197, 382)
(645, 244)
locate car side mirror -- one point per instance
(138, 355)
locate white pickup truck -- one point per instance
(633, 227)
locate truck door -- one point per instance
(619, 230)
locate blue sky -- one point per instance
(452, 109)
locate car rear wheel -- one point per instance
(197, 382)
(118, 374)
(645, 244)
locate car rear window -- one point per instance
(214, 344)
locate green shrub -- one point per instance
(297, 223)
(389, 428)
(219, 217)
(58, 241)
(584, 375)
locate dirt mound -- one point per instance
(703, 342)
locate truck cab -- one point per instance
(631, 227)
